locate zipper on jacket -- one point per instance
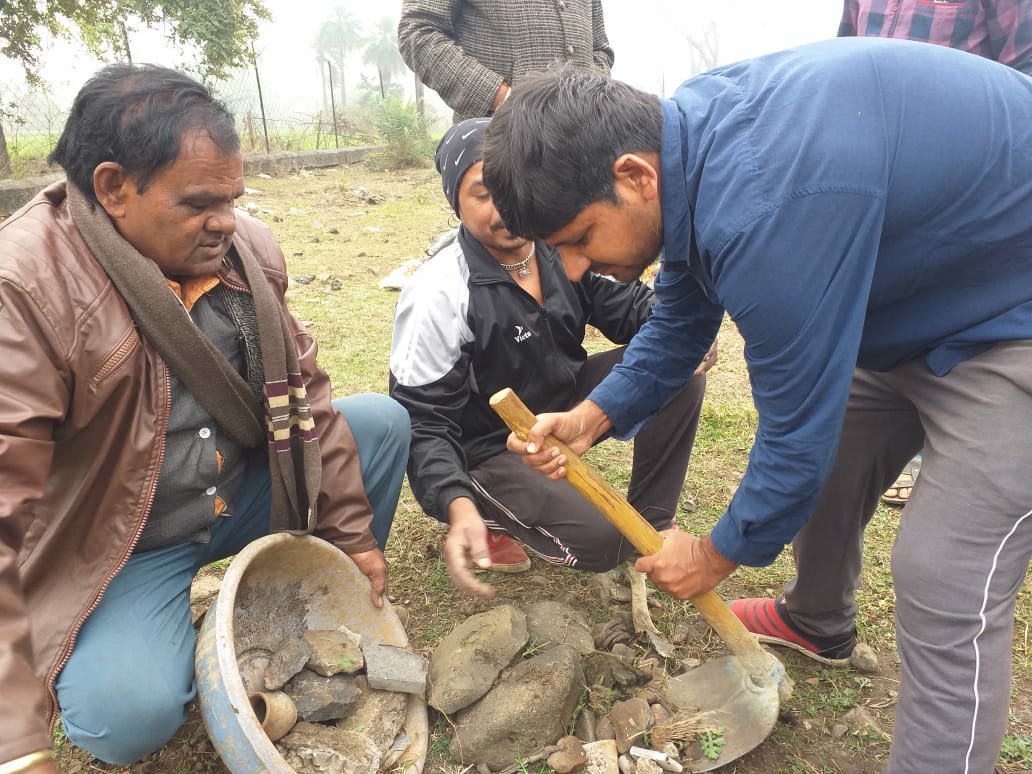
(122, 560)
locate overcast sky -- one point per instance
(648, 36)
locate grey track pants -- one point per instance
(555, 521)
(961, 555)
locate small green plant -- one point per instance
(346, 662)
(404, 135)
(1016, 748)
(532, 649)
(711, 742)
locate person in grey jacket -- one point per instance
(471, 51)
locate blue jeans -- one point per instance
(126, 687)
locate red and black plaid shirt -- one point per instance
(996, 29)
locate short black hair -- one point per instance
(550, 148)
(137, 116)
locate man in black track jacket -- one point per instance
(490, 310)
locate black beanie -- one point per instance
(459, 149)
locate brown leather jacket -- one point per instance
(83, 409)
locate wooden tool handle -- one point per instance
(643, 536)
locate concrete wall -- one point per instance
(14, 193)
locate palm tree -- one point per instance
(381, 51)
(337, 37)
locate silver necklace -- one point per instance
(522, 268)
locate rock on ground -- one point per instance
(630, 719)
(602, 757)
(529, 709)
(571, 756)
(465, 664)
(551, 623)
(863, 658)
(316, 749)
(860, 719)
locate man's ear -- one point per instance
(111, 184)
(638, 174)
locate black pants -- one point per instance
(555, 521)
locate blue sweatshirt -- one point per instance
(856, 202)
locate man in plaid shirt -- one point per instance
(995, 29)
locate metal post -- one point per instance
(261, 102)
(333, 106)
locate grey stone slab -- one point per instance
(389, 668)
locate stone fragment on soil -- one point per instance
(863, 658)
(529, 709)
(571, 755)
(321, 698)
(584, 728)
(602, 757)
(290, 658)
(316, 749)
(334, 651)
(839, 730)
(646, 766)
(604, 729)
(630, 719)
(671, 751)
(608, 670)
(389, 668)
(550, 623)
(860, 719)
(626, 764)
(659, 713)
(379, 715)
(466, 663)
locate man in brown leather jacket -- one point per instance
(159, 409)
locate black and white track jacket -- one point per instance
(463, 330)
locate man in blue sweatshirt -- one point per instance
(862, 208)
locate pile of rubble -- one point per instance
(513, 682)
(333, 701)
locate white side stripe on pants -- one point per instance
(981, 615)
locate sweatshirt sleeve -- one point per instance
(617, 309)
(796, 282)
(663, 355)
(431, 352)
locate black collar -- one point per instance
(484, 268)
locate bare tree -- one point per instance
(703, 48)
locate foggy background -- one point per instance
(658, 44)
